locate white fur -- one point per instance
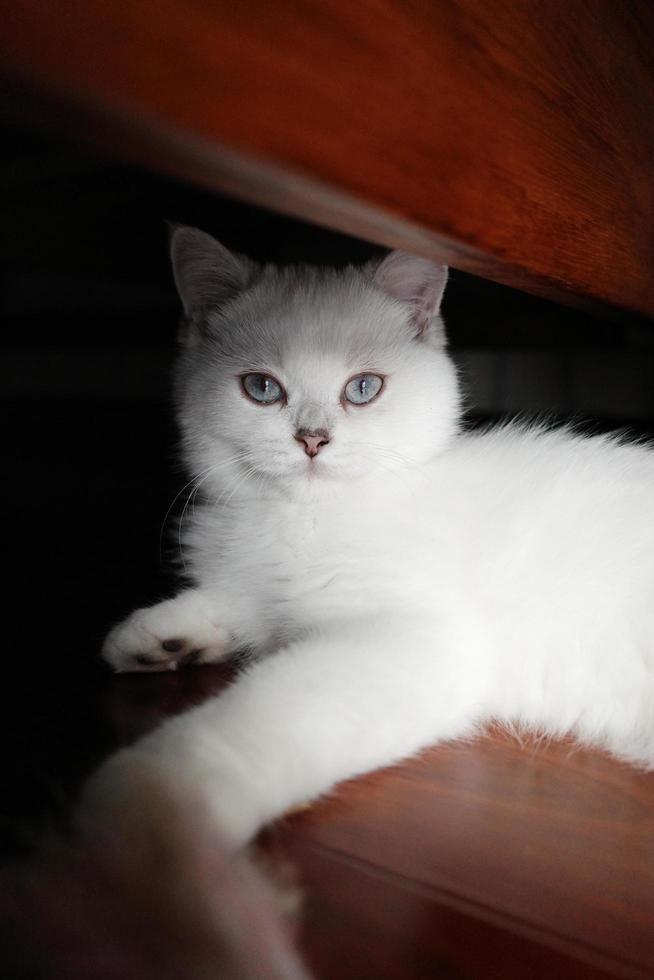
(405, 586)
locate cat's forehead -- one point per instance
(306, 317)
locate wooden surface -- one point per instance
(514, 139)
(490, 859)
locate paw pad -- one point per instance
(178, 655)
(172, 646)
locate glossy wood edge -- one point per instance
(150, 143)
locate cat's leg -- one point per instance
(323, 709)
(173, 633)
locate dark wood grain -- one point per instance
(360, 922)
(511, 139)
(548, 843)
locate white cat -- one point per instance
(400, 581)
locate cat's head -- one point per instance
(305, 376)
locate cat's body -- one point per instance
(538, 543)
(401, 582)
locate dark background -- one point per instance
(89, 318)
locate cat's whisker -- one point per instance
(252, 471)
(183, 514)
(198, 476)
(393, 453)
(199, 481)
(233, 484)
(172, 504)
(388, 469)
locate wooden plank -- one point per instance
(359, 922)
(494, 857)
(512, 139)
(548, 842)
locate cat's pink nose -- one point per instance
(313, 440)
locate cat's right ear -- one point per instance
(206, 273)
(416, 283)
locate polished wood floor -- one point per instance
(486, 860)
(494, 858)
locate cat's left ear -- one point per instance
(207, 274)
(418, 283)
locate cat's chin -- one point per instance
(314, 469)
(314, 473)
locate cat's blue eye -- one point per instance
(262, 388)
(363, 388)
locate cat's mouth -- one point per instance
(315, 469)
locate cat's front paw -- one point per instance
(172, 634)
